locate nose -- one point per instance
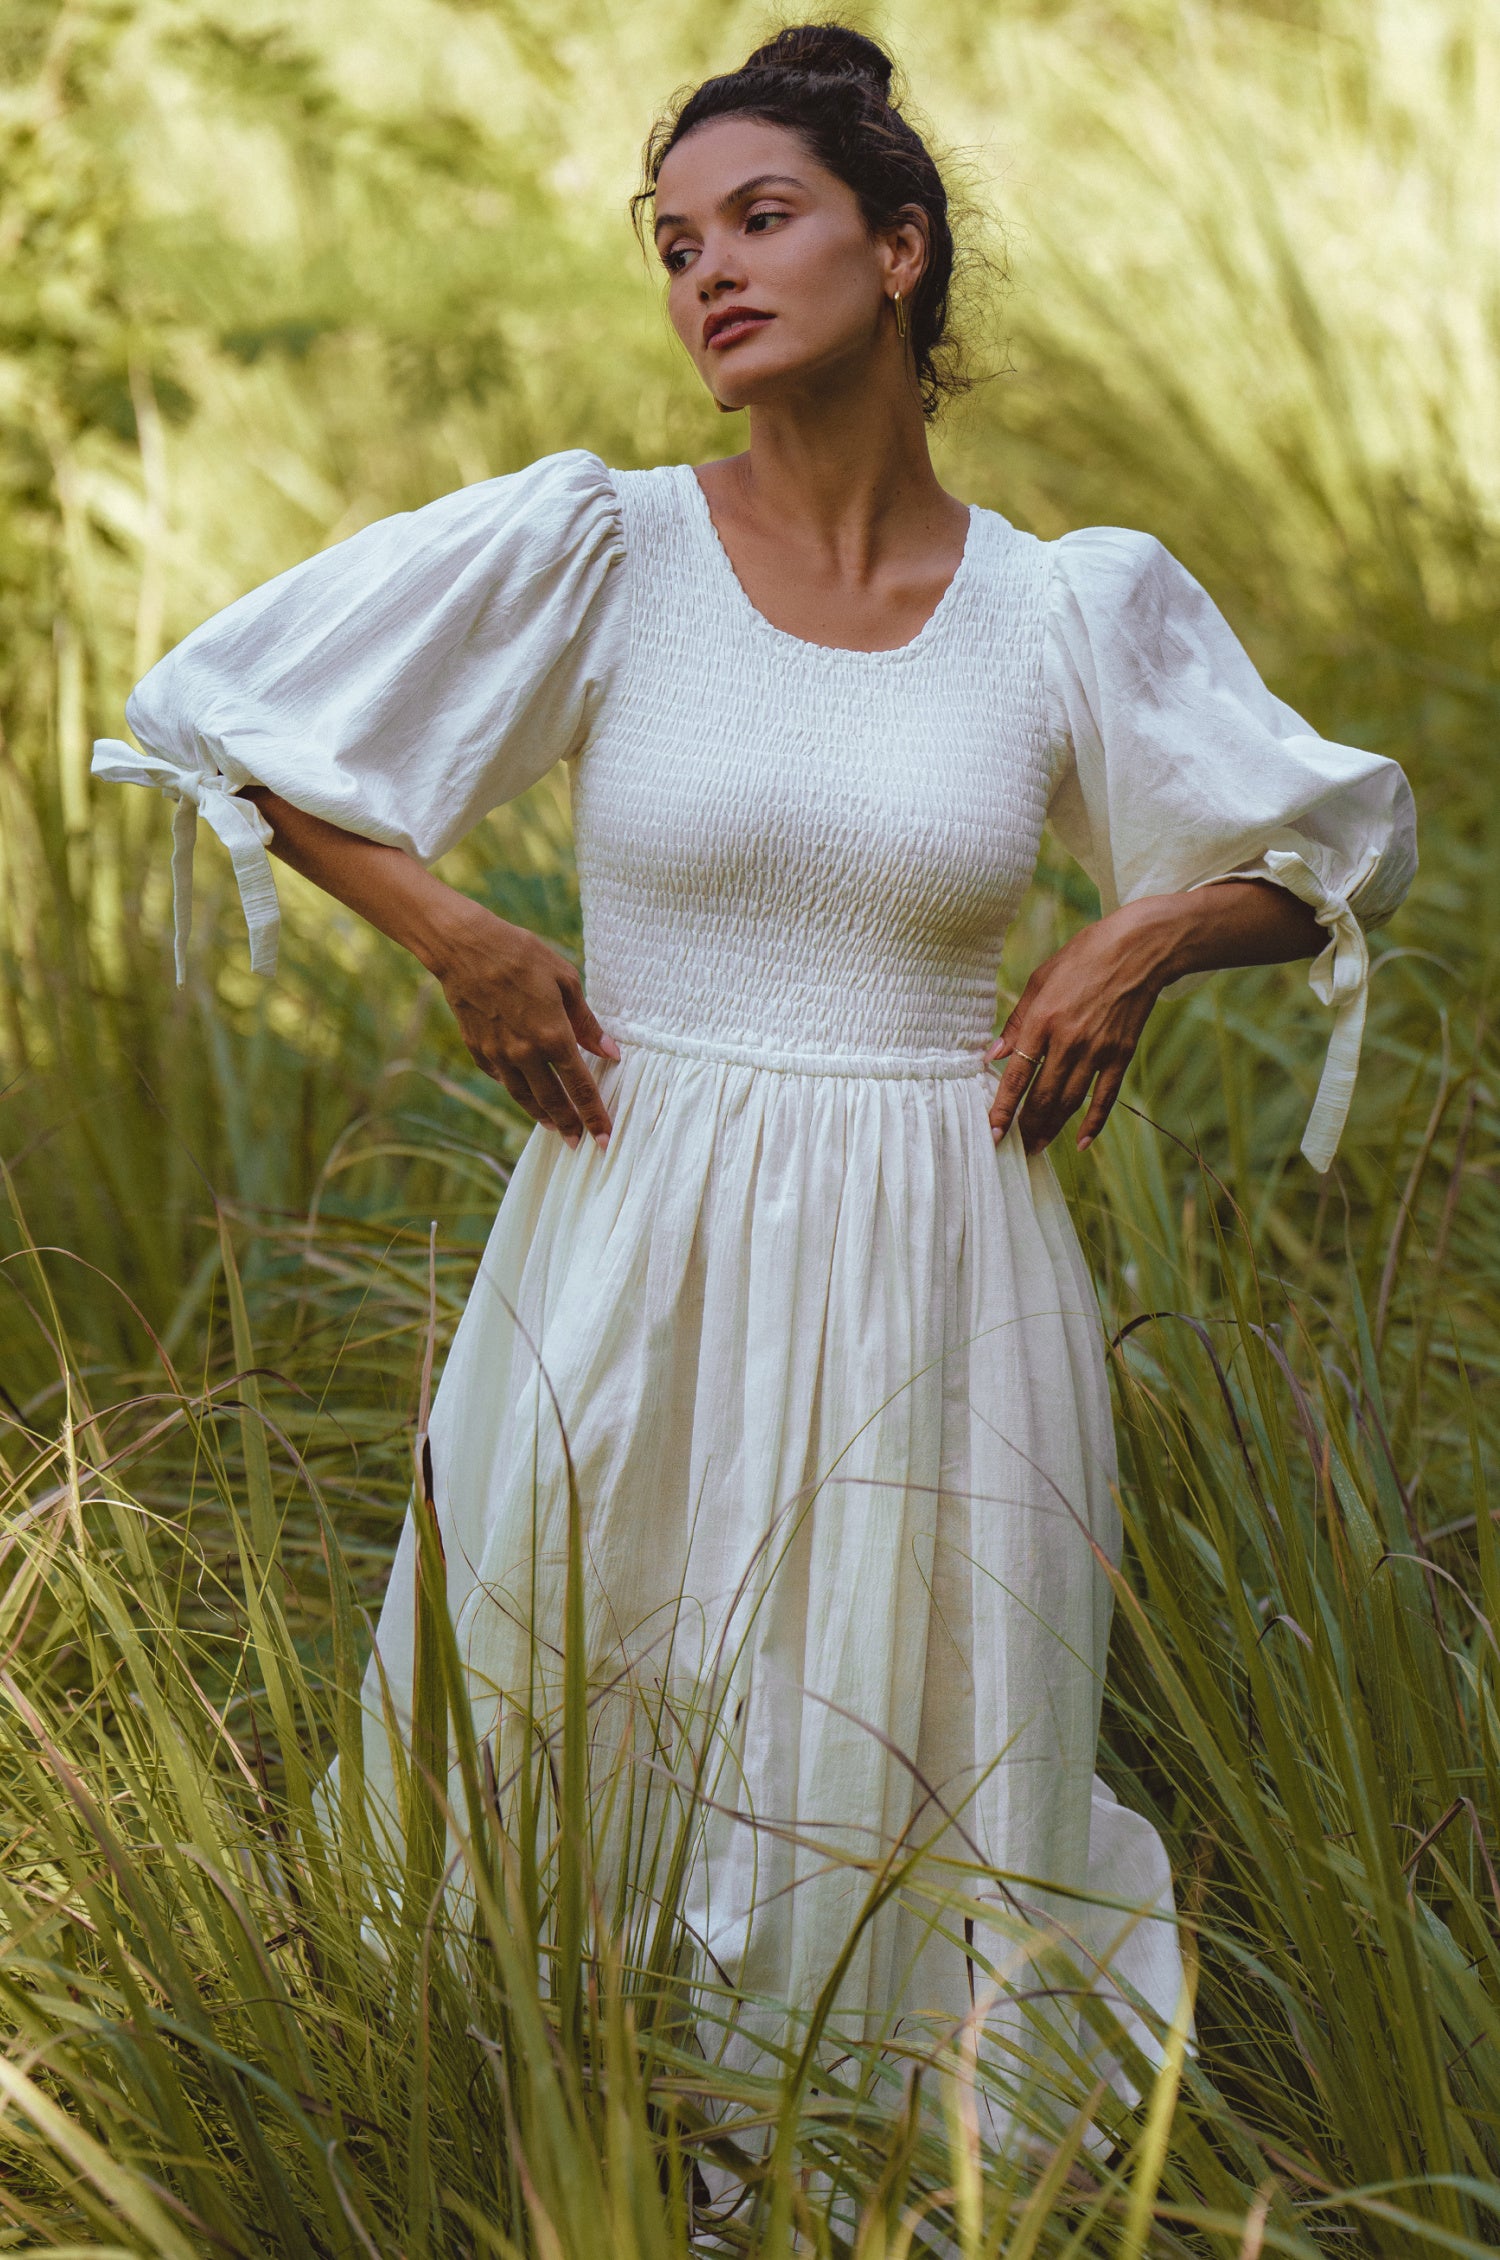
(718, 268)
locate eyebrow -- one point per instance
(736, 196)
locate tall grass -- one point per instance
(267, 279)
(241, 2027)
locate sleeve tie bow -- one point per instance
(209, 793)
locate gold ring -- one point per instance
(1032, 1059)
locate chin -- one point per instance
(739, 382)
(739, 389)
(831, 365)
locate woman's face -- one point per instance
(774, 278)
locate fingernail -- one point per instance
(601, 1140)
(570, 1139)
(1084, 1144)
(997, 1135)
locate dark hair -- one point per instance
(832, 86)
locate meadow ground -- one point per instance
(267, 278)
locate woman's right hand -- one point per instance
(521, 1010)
(518, 1002)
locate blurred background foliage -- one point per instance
(269, 273)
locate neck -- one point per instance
(849, 473)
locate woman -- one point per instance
(787, 1264)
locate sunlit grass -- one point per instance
(280, 2035)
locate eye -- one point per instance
(676, 257)
(757, 223)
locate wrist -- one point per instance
(450, 927)
(1158, 934)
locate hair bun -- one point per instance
(826, 51)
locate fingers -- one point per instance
(579, 1107)
(556, 1088)
(558, 1093)
(523, 1015)
(512, 1080)
(582, 1093)
(1106, 1091)
(591, 1037)
(549, 1102)
(1076, 1023)
(1054, 1084)
(1060, 1089)
(1015, 1080)
(535, 1091)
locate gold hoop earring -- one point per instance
(900, 313)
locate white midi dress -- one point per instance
(828, 1363)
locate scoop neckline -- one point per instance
(885, 652)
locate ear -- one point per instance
(906, 242)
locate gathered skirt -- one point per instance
(828, 1367)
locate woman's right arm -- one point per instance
(369, 707)
(519, 1003)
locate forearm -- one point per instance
(1234, 922)
(518, 1002)
(382, 884)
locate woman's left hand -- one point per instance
(1078, 1022)
(1080, 1016)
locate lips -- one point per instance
(731, 323)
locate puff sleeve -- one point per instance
(1178, 767)
(400, 684)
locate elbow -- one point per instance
(1378, 892)
(1378, 898)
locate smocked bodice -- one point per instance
(802, 856)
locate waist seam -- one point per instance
(889, 1066)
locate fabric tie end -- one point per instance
(238, 822)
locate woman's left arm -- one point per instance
(1079, 1018)
(1218, 827)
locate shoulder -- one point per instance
(660, 478)
(558, 500)
(1087, 555)
(1115, 587)
(657, 507)
(1113, 565)
(1003, 557)
(558, 508)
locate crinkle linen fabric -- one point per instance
(828, 1362)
